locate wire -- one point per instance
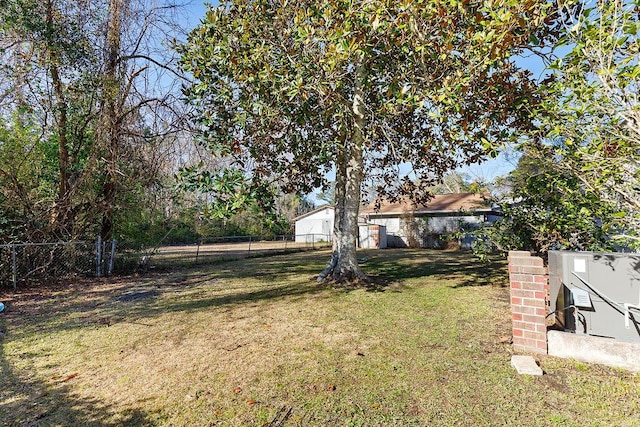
(560, 309)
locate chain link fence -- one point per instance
(22, 263)
(131, 259)
(25, 263)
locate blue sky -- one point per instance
(197, 10)
(485, 171)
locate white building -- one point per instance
(315, 226)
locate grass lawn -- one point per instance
(257, 342)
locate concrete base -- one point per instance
(585, 348)
(525, 365)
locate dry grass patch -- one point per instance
(257, 342)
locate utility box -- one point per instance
(596, 293)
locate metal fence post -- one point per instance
(13, 267)
(198, 250)
(99, 257)
(249, 254)
(112, 256)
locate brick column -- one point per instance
(529, 284)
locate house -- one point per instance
(405, 224)
(315, 226)
(431, 225)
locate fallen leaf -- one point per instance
(331, 387)
(251, 402)
(375, 405)
(237, 390)
(267, 326)
(218, 412)
(505, 339)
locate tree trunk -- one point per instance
(60, 219)
(343, 266)
(110, 118)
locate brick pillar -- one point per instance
(529, 282)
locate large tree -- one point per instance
(393, 92)
(47, 56)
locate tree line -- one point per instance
(93, 127)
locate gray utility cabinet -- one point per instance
(596, 293)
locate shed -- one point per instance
(315, 226)
(372, 236)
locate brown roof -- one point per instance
(440, 203)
